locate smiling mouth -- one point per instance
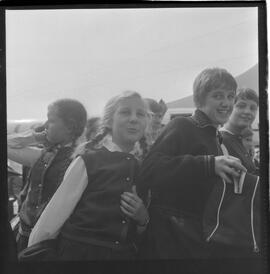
(224, 112)
(246, 119)
(132, 130)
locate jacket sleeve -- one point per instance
(168, 162)
(62, 203)
(19, 148)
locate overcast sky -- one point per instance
(91, 55)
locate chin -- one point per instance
(221, 122)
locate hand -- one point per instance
(133, 207)
(21, 140)
(227, 166)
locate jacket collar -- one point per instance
(202, 119)
(55, 148)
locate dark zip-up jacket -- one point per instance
(180, 173)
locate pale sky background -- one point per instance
(91, 55)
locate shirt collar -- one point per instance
(226, 130)
(237, 136)
(59, 146)
(108, 143)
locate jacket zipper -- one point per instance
(255, 246)
(218, 212)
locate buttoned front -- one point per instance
(97, 218)
(45, 177)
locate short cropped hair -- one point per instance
(73, 113)
(210, 79)
(247, 94)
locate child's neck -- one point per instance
(125, 147)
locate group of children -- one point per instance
(123, 195)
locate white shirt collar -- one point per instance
(108, 143)
(224, 129)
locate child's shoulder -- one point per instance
(180, 124)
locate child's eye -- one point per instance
(241, 105)
(253, 108)
(231, 97)
(124, 111)
(218, 96)
(141, 114)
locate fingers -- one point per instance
(235, 163)
(238, 166)
(225, 177)
(127, 207)
(128, 196)
(126, 212)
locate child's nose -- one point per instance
(226, 102)
(133, 117)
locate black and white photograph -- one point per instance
(135, 135)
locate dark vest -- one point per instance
(97, 218)
(44, 179)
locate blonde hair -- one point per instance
(105, 126)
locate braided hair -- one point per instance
(105, 126)
(144, 147)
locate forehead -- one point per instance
(134, 102)
(222, 90)
(246, 101)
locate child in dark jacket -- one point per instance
(243, 115)
(96, 212)
(182, 168)
(66, 122)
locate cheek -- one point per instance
(50, 127)
(253, 113)
(144, 124)
(235, 113)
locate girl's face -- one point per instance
(156, 119)
(129, 122)
(218, 105)
(57, 131)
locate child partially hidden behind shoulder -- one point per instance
(96, 213)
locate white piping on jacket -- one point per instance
(256, 248)
(218, 212)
